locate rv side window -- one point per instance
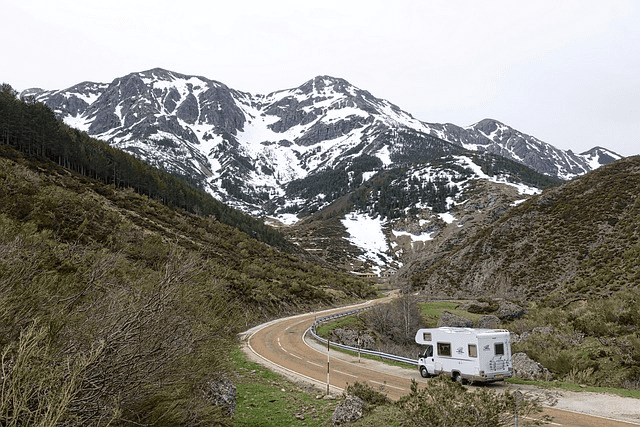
(426, 336)
(473, 350)
(444, 349)
(499, 349)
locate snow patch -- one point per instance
(522, 188)
(447, 217)
(286, 219)
(89, 98)
(79, 122)
(384, 155)
(423, 237)
(342, 113)
(367, 175)
(366, 233)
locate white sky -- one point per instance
(567, 72)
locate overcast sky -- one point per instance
(567, 72)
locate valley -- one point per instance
(107, 259)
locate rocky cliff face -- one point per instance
(495, 137)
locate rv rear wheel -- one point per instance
(424, 372)
(458, 378)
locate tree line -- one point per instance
(32, 128)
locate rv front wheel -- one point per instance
(424, 372)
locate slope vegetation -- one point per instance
(570, 255)
(571, 242)
(116, 308)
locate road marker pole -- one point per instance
(328, 343)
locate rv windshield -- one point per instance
(428, 352)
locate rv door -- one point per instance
(427, 358)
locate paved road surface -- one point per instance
(285, 346)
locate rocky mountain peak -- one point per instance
(601, 156)
(297, 151)
(326, 84)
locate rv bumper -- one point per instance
(487, 378)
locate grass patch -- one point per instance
(576, 387)
(432, 310)
(383, 415)
(349, 321)
(268, 399)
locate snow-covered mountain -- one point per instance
(495, 137)
(311, 148)
(251, 150)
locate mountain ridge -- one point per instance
(211, 125)
(294, 152)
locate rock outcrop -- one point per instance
(526, 368)
(450, 319)
(488, 321)
(352, 409)
(350, 337)
(221, 392)
(510, 311)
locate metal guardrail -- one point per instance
(361, 350)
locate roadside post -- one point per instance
(328, 344)
(518, 399)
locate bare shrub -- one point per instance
(143, 339)
(37, 388)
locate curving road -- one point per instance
(285, 346)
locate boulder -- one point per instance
(467, 305)
(352, 409)
(350, 337)
(488, 321)
(510, 311)
(450, 319)
(543, 330)
(526, 368)
(221, 392)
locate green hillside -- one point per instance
(574, 241)
(571, 256)
(119, 308)
(31, 128)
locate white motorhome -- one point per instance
(467, 354)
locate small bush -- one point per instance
(368, 394)
(445, 403)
